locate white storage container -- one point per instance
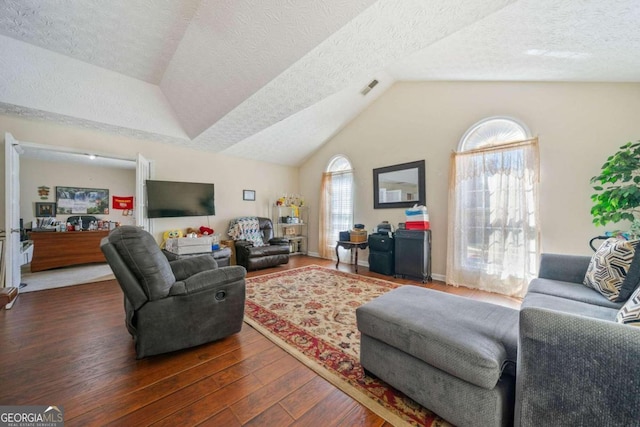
(189, 245)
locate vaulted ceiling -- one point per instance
(274, 79)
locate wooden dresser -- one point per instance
(60, 249)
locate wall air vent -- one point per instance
(368, 87)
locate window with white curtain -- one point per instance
(493, 226)
(336, 210)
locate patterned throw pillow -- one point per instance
(632, 280)
(630, 312)
(609, 266)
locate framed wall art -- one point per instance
(45, 209)
(79, 200)
(249, 195)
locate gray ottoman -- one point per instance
(453, 355)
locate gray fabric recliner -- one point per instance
(173, 305)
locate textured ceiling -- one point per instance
(233, 48)
(136, 38)
(273, 80)
(541, 40)
(37, 153)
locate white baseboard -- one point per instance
(439, 277)
(364, 263)
(8, 306)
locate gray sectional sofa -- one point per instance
(576, 365)
(561, 360)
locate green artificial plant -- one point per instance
(617, 188)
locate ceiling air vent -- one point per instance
(368, 87)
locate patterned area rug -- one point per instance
(310, 312)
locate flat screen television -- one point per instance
(176, 199)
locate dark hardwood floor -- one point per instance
(69, 347)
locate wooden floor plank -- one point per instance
(212, 404)
(310, 394)
(277, 369)
(222, 419)
(151, 370)
(86, 396)
(360, 416)
(69, 347)
(199, 376)
(330, 411)
(182, 398)
(254, 403)
(272, 416)
(250, 365)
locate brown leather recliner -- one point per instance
(255, 245)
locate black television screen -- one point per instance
(175, 199)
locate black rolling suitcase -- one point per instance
(381, 254)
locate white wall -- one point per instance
(73, 88)
(35, 173)
(579, 125)
(171, 162)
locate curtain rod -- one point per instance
(530, 141)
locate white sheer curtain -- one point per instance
(493, 218)
(336, 211)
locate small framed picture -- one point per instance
(44, 210)
(249, 195)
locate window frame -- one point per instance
(519, 123)
(329, 169)
(471, 262)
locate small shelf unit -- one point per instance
(291, 222)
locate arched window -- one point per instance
(336, 200)
(339, 164)
(493, 131)
(493, 223)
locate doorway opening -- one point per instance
(43, 169)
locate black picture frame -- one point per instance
(378, 177)
(45, 209)
(249, 195)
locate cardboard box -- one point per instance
(359, 236)
(189, 245)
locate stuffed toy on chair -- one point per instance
(193, 232)
(206, 231)
(170, 235)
